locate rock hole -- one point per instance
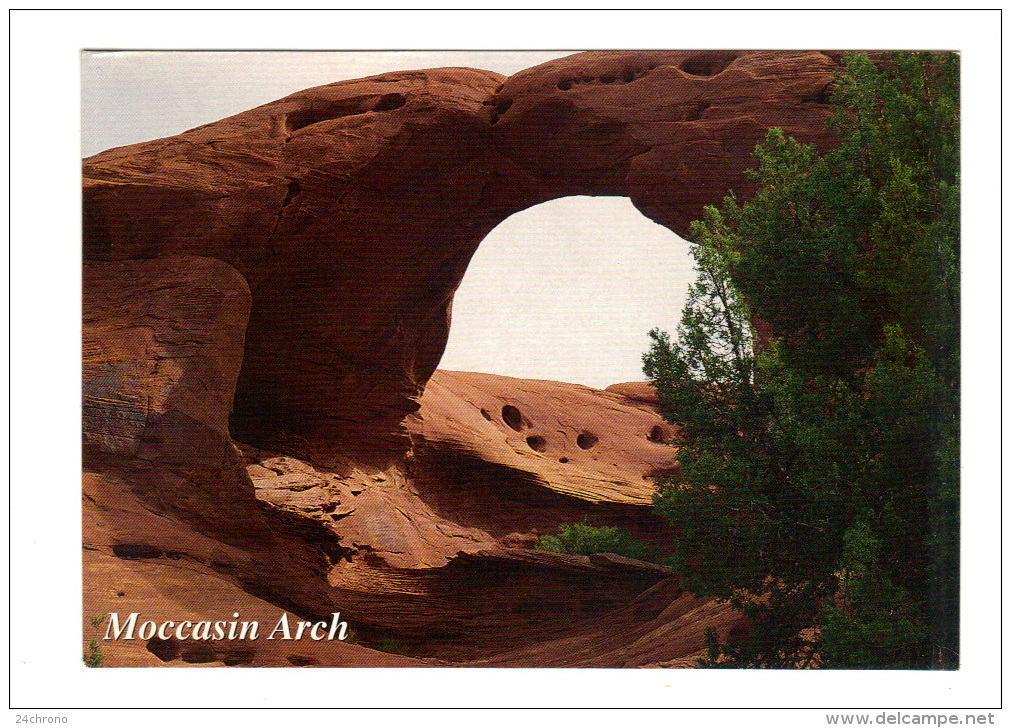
(564, 85)
(199, 655)
(503, 106)
(695, 113)
(294, 188)
(586, 440)
(296, 120)
(538, 443)
(484, 413)
(164, 650)
(706, 66)
(389, 102)
(512, 417)
(121, 594)
(238, 658)
(697, 69)
(822, 97)
(302, 661)
(656, 434)
(528, 607)
(136, 551)
(334, 551)
(563, 460)
(607, 79)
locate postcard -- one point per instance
(611, 359)
(624, 365)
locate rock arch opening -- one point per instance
(567, 291)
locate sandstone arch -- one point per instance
(353, 209)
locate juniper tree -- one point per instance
(819, 465)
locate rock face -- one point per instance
(167, 502)
(672, 131)
(353, 209)
(638, 391)
(162, 348)
(460, 518)
(433, 560)
(565, 439)
(285, 278)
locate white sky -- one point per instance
(566, 290)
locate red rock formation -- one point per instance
(638, 391)
(164, 485)
(178, 588)
(461, 517)
(353, 209)
(162, 348)
(672, 131)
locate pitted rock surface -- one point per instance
(565, 438)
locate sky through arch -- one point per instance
(568, 290)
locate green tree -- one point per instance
(819, 464)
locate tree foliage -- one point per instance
(819, 484)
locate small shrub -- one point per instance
(93, 657)
(394, 645)
(583, 538)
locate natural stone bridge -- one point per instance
(353, 209)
